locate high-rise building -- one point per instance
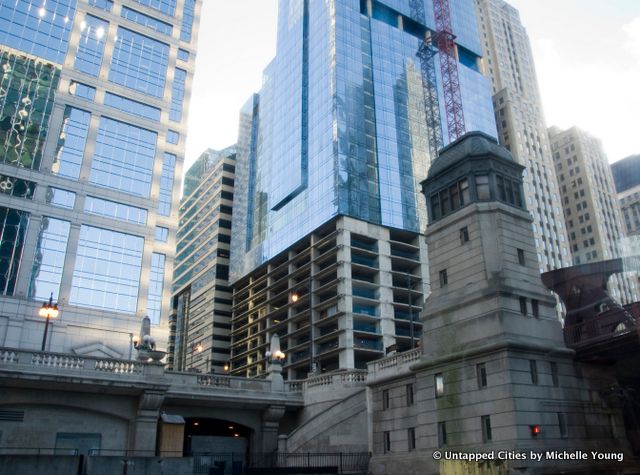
(508, 61)
(326, 250)
(93, 105)
(591, 209)
(201, 322)
(626, 176)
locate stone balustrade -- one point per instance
(55, 362)
(100, 368)
(392, 364)
(340, 378)
(47, 363)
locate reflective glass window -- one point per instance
(183, 55)
(82, 90)
(146, 20)
(13, 227)
(162, 234)
(61, 198)
(104, 4)
(107, 271)
(48, 264)
(73, 138)
(112, 209)
(93, 37)
(139, 63)
(166, 184)
(17, 187)
(132, 107)
(187, 20)
(177, 95)
(156, 283)
(27, 91)
(164, 6)
(41, 29)
(173, 137)
(124, 157)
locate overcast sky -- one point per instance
(587, 55)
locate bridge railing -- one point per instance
(62, 362)
(43, 362)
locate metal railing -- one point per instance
(611, 324)
(344, 462)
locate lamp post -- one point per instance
(48, 311)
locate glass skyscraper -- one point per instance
(93, 105)
(341, 117)
(339, 131)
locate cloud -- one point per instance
(632, 40)
(593, 95)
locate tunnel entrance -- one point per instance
(217, 446)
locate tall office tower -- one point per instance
(93, 106)
(200, 325)
(591, 210)
(326, 250)
(626, 176)
(521, 127)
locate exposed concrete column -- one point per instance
(345, 301)
(387, 323)
(146, 423)
(269, 428)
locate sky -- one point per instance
(587, 56)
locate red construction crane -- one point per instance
(444, 40)
(441, 41)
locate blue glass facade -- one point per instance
(92, 124)
(340, 127)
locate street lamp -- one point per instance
(48, 310)
(195, 348)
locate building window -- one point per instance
(51, 251)
(444, 280)
(411, 438)
(450, 199)
(562, 423)
(162, 234)
(165, 197)
(139, 63)
(534, 308)
(442, 434)
(107, 256)
(385, 399)
(88, 57)
(464, 235)
(409, 389)
(13, 228)
(533, 371)
(521, 260)
(482, 187)
(523, 305)
(60, 198)
(387, 441)
(485, 421)
(439, 384)
(71, 143)
(481, 372)
(124, 157)
(554, 372)
(156, 281)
